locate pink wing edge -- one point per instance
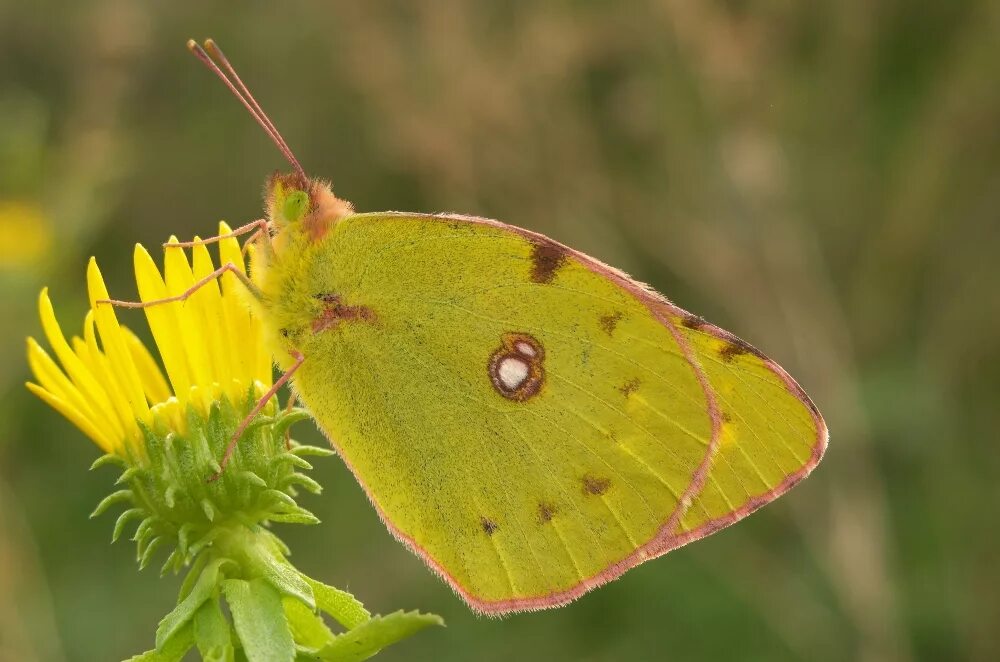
(665, 540)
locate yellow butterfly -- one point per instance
(529, 421)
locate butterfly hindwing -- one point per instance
(531, 422)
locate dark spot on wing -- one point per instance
(522, 348)
(692, 321)
(546, 511)
(546, 259)
(595, 485)
(610, 322)
(489, 526)
(630, 387)
(726, 418)
(335, 312)
(737, 347)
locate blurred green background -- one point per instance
(822, 178)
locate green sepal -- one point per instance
(173, 562)
(258, 423)
(301, 450)
(150, 551)
(298, 516)
(109, 459)
(110, 500)
(208, 509)
(340, 605)
(122, 520)
(277, 497)
(306, 482)
(201, 543)
(173, 651)
(372, 636)
(289, 419)
(253, 479)
(144, 529)
(292, 459)
(203, 589)
(259, 620)
(128, 475)
(212, 633)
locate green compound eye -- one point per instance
(296, 205)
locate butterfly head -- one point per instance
(296, 203)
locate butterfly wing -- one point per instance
(529, 421)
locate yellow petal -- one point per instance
(74, 416)
(263, 369)
(153, 382)
(179, 278)
(53, 379)
(99, 365)
(84, 380)
(236, 310)
(163, 322)
(113, 344)
(209, 301)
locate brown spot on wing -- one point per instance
(737, 347)
(692, 321)
(610, 322)
(546, 259)
(525, 349)
(595, 485)
(336, 312)
(546, 511)
(489, 526)
(630, 387)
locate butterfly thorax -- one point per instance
(301, 214)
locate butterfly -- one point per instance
(529, 421)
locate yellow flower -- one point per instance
(107, 382)
(29, 231)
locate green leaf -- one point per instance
(308, 628)
(212, 633)
(173, 651)
(341, 605)
(259, 620)
(193, 573)
(182, 614)
(369, 638)
(283, 577)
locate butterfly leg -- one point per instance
(260, 225)
(281, 381)
(229, 266)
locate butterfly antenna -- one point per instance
(240, 90)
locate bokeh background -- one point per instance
(823, 178)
